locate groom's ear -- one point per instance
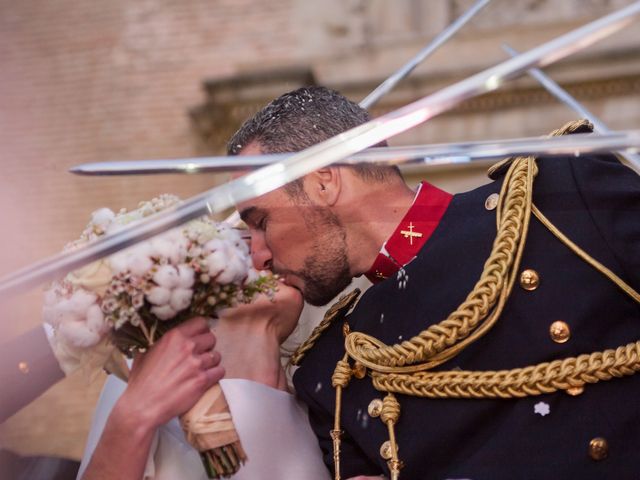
(324, 186)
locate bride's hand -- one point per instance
(282, 310)
(171, 377)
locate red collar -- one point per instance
(412, 233)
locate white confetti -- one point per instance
(382, 318)
(402, 278)
(364, 421)
(318, 387)
(541, 408)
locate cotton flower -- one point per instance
(95, 320)
(79, 334)
(215, 262)
(140, 265)
(164, 312)
(166, 276)
(234, 272)
(102, 218)
(161, 247)
(136, 259)
(159, 295)
(80, 301)
(186, 276)
(180, 299)
(152, 280)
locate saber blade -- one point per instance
(386, 86)
(332, 150)
(565, 97)
(440, 154)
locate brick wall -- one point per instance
(85, 81)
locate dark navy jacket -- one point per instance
(595, 201)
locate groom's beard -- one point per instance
(325, 272)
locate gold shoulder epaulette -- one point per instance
(575, 126)
(337, 311)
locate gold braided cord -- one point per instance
(482, 307)
(625, 287)
(339, 380)
(519, 382)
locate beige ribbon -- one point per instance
(208, 424)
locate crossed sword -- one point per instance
(345, 146)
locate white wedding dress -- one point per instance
(272, 426)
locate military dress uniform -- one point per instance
(560, 306)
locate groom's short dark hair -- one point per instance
(302, 118)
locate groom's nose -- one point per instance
(260, 252)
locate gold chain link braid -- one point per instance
(482, 307)
(538, 379)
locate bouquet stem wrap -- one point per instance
(209, 428)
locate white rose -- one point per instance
(163, 312)
(180, 299)
(95, 277)
(159, 295)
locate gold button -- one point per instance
(575, 391)
(598, 448)
(559, 331)
(492, 201)
(23, 367)
(375, 407)
(529, 279)
(385, 450)
(359, 370)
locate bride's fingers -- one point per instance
(209, 359)
(214, 375)
(203, 342)
(193, 326)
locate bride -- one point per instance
(136, 435)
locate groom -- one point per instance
(425, 252)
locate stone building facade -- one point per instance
(94, 81)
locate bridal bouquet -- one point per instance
(126, 302)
